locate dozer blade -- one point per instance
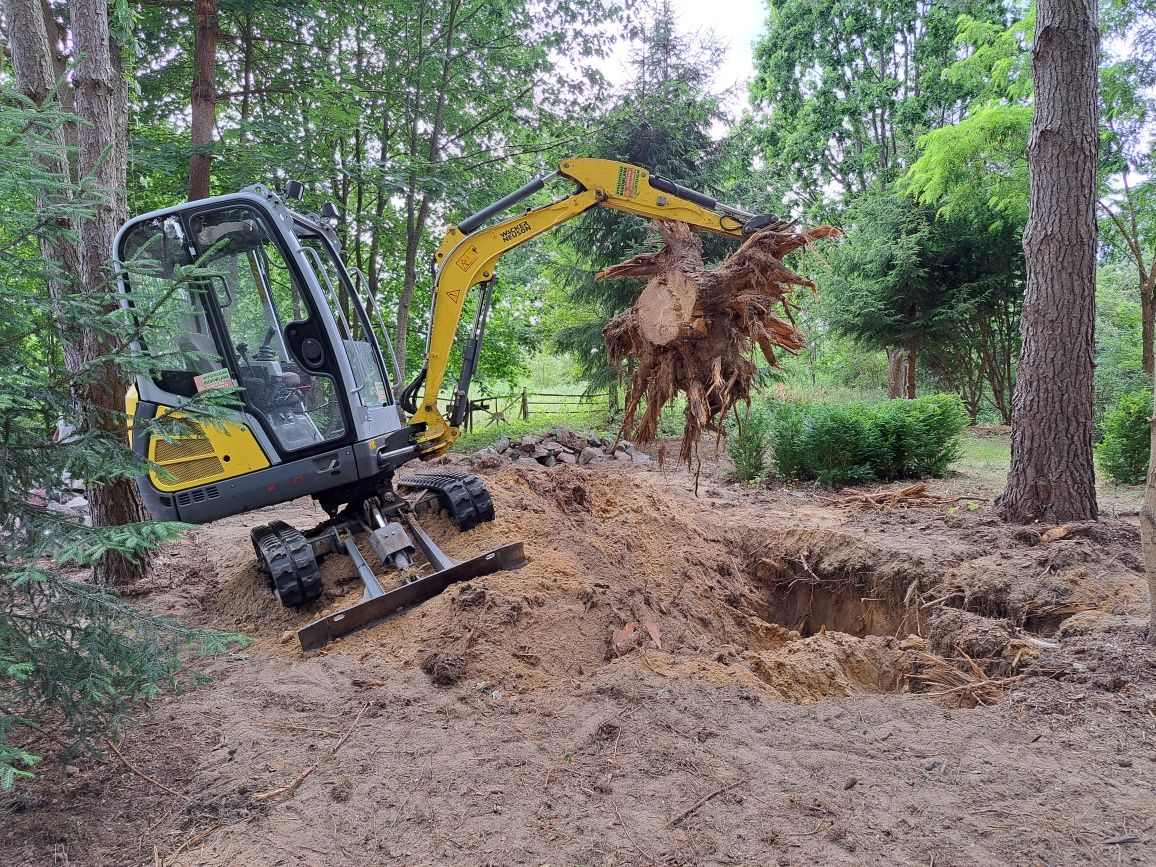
(369, 611)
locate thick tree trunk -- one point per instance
(203, 97)
(1052, 476)
(1148, 530)
(32, 63)
(895, 368)
(102, 106)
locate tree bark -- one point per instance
(1148, 318)
(102, 106)
(895, 368)
(203, 96)
(1052, 476)
(1148, 529)
(32, 63)
(911, 371)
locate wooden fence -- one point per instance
(502, 408)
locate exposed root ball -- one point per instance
(694, 331)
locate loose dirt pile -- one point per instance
(625, 571)
(619, 568)
(694, 331)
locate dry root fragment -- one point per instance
(694, 331)
(909, 494)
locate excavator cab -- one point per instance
(241, 292)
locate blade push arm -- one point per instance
(468, 256)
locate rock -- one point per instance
(540, 452)
(639, 457)
(570, 439)
(566, 458)
(503, 445)
(526, 461)
(593, 440)
(547, 460)
(553, 446)
(622, 456)
(530, 442)
(590, 455)
(487, 459)
(78, 504)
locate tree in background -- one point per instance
(843, 90)
(662, 121)
(1052, 476)
(408, 115)
(77, 259)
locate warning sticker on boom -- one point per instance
(627, 182)
(213, 379)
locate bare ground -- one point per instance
(742, 677)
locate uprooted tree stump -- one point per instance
(695, 331)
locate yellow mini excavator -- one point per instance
(243, 292)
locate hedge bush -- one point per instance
(748, 439)
(837, 444)
(1123, 452)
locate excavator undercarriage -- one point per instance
(389, 521)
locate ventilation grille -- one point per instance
(195, 470)
(182, 449)
(198, 495)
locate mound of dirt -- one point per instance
(622, 573)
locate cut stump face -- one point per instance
(693, 330)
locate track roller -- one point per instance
(462, 495)
(288, 560)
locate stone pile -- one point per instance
(559, 445)
(68, 500)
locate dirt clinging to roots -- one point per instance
(694, 330)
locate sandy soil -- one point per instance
(738, 677)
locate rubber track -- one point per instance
(288, 559)
(463, 495)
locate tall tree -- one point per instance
(203, 96)
(1052, 475)
(79, 264)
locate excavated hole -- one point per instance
(857, 601)
(809, 607)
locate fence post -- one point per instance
(525, 406)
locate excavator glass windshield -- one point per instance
(226, 261)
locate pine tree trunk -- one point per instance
(102, 106)
(1052, 476)
(203, 96)
(32, 55)
(895, 369)
(911, 371)
(1148, 530)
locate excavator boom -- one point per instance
(468, 256)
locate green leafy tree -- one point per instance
(847, 86)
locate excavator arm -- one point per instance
(468, 255)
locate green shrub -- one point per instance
(1123, 452)
(831, 443)
(747, 441)
(836, 444)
